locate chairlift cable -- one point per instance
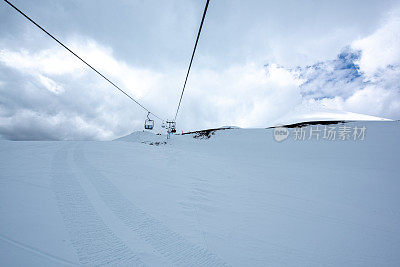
(191, 59)
(72, 52)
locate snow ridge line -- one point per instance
(171, 245)
(94, 242)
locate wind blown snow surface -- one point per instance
(238, 198)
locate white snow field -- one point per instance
(239, 198)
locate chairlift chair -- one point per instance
(170, 125)
(148, 123)
(173, 126)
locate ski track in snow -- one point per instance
(94, 242)
(36, 251)
(171, 245)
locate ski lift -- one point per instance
(148, 123)
(173, 126)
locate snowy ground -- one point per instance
(238, 198)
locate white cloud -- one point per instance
(365, 78)
(48, 61)
(51, 85)
(382, 48)
(248, 95)
(78, 104)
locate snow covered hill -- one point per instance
(318, 113)
(237, 198)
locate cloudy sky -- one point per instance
(257, 61)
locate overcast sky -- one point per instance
(256, 62)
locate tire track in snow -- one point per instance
(168, 243)
(94, 242)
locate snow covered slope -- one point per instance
(238, 198)
(142, 137)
